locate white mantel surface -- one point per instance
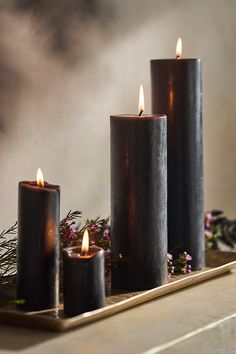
(199, 319)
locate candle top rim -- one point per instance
(76, 252)
(143, 117)
(33, 185)
(175, 59)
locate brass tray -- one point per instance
(54, 320)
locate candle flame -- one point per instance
(85, 242)
(141, 100)
(179, 49)
(40, 180)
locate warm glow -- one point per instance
(141, 100)
(40, 180)
(179, 49)
(85, 242)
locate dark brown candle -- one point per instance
(38, 245)
(83, 279)
(138, 200)
(177, 91)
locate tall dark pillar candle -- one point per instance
(177, 91)
(84, 284)
(38, 245)
(138, 201)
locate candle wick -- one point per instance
(178, 56)
(140, 113)
(84, 253)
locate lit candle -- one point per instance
(38, 244)
(138, 199)
(179, 48)
(83, 278)
(177, 91)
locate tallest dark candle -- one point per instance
(177, 91)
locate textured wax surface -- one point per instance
(83, 283)
(138, 202)
(176, 91)
(38, 246)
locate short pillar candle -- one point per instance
(83, 278)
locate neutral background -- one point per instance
(65, 66)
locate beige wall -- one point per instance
(55, 102)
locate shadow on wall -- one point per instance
(63, 25)
(68, 31)
(10, 83)
(59, 20)
(54, 56)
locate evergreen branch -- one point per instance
(8, 252)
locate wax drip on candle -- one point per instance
(85, 243)
(141, 100)
(39, 178)
(179, 49)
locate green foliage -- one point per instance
(8, 242)
(71, 233)
(219, 229)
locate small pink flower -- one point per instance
(188, 257)
(188, 268)
(169, 256)
(106, 235)
(208, 219)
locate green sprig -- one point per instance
(8, 256)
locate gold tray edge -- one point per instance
(147, 296)
(14, 317)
